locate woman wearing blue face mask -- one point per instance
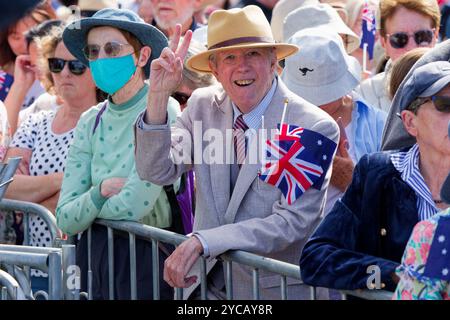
(100, 179)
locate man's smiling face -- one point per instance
(246, 74)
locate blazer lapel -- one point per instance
(249, 172)
(220, 173)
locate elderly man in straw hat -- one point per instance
(235, 208)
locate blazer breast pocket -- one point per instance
(267, 193)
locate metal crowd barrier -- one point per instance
(59, 260)
(156, 235)
(54, 261)
(15, 281)
(28, 208)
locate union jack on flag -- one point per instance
(368, 29)
(298, 159)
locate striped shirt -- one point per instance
(253, 118)
(407, 163)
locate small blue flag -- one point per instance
(438, 261)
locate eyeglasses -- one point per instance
(111, 49)
(56, 65)
(181, 97)
(400, 40)
(441, 103)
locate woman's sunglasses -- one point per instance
(181, 97)
(400, 40)
(112, 49)
(56, 65)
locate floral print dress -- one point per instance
(425, 269)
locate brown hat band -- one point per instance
(233, 42)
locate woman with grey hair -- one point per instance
(100, 178)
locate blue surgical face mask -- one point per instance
(111, 74)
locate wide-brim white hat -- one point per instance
(322, 71)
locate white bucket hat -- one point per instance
(280, 11)
(321, 72)
(320, 15)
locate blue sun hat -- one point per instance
(425, 81)
(75, 34)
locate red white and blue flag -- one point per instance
(298, 158)
(368, 29)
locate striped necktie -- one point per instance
(239, 129)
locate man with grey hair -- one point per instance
(235, 208)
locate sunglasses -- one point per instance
(112, 49)
(181, 97)
(56, 65)
(400, 40)
(441, 103)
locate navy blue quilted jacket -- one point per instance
(370, 225)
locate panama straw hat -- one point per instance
(238, 28)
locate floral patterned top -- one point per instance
(424, 272)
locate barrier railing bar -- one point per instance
(111, 263)
(35, 260)
(203, 280)
(68, 264)
(133, 280)
(283, 288)
(10, 284)
(4, 293)
(312, 293)
(26, 229)
(155, 264)
(229, 279)
(21, 278)
(144, 231)
(55, 276)
(90, 275)
(30, 207)
(178, 293)
(255, 278)
(27, 249)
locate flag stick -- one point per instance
(263, 141)
(365, 46)
(286, 101)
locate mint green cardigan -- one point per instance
(109, 152)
